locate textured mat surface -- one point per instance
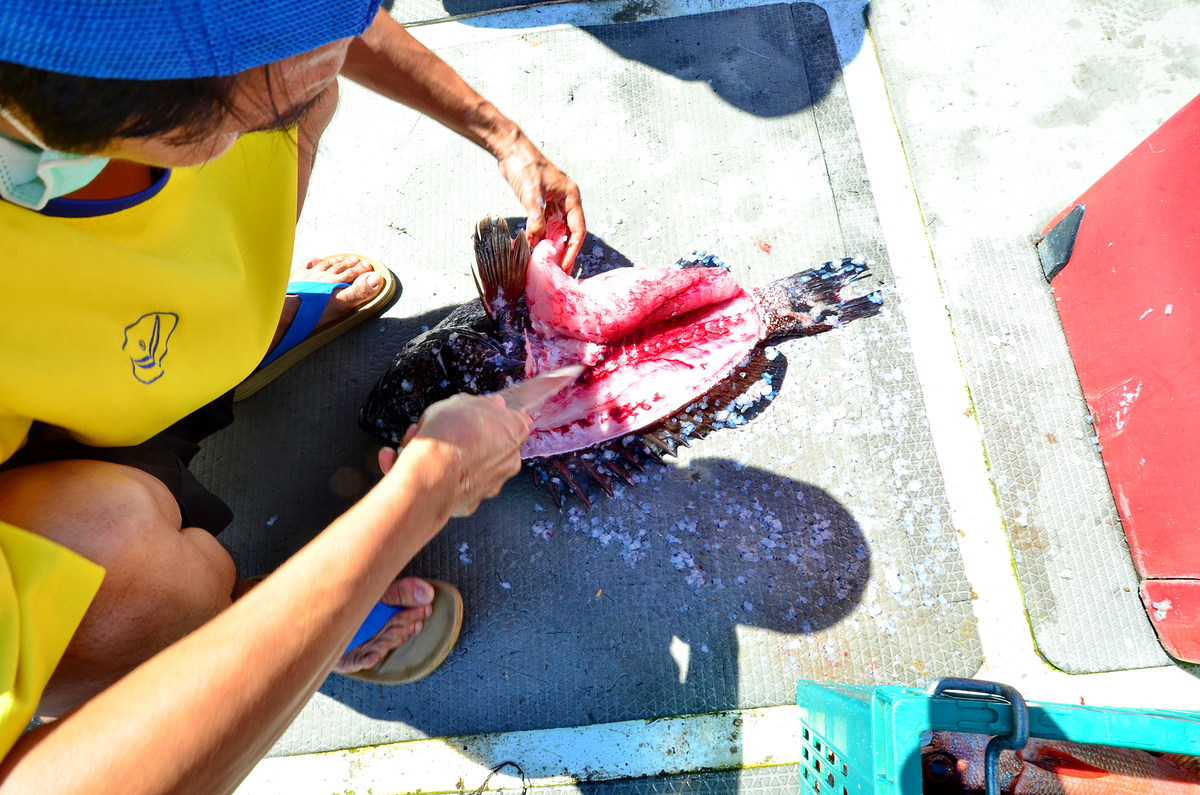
(813, 542)
(1020, 150)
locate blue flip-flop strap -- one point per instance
(374, 622)
(313, 298)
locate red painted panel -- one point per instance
(1129, 300)
(1174, 608)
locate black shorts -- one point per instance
(165, 456)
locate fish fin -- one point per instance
(487, 305)
(857, 308)
(1063, 763)
(617, 466)
(658, 445)
(596, 474)
(568, 478)
(1190, 764)
(632, 459)
(651, 451)
(501, 264)
(810, 302)
(546, 481)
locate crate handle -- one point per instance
(991, 691)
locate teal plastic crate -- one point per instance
(858, 740)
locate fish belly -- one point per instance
(653, 340)
(1076, 769)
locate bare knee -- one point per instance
(91, 507)
(161, 581)
(117, 516)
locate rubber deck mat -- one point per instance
(814, 542)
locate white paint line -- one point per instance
(956, 435)
(552, 757)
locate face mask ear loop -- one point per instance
(21, 128)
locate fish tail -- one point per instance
(501, 265)
(858, 308)
(810, 301)
(839, 272)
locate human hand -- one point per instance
(481, 440)
(508, 408)
(543, 191)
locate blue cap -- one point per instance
(165, 39)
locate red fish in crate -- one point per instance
(952, 764)
(667, 353)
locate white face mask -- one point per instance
(31, 174)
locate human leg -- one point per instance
(161, 580)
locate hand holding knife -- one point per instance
(527, 396)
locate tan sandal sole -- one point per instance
(423, 653)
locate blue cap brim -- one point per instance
(168, 39)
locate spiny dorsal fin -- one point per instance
(501, 263)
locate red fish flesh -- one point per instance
(664, 350)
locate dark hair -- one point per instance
(84, 114)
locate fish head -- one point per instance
(953, 762)
(943, 772)
(440, 363)
(940, 774)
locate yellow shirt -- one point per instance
(116, 326)
(113, 327)
(44, 591)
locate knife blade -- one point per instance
(529, 395)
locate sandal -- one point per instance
(303, 337)
(421, 654)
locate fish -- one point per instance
(952, 764)
(665, 354)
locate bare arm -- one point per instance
(200, 714)
(388, 60)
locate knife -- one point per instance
(529, 395)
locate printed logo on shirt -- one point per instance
(146, 344)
